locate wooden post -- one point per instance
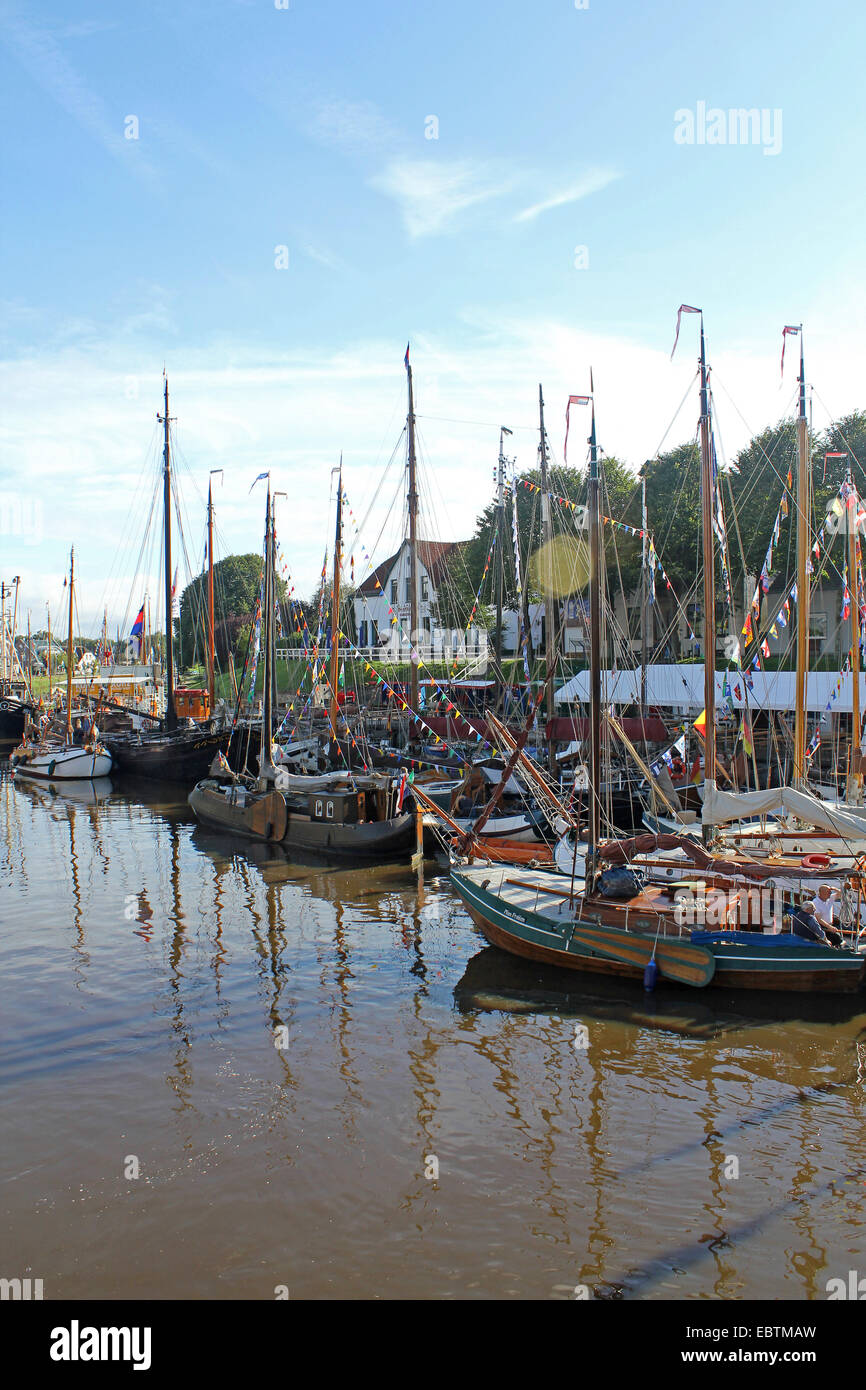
(418, 856)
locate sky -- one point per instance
(269, 199)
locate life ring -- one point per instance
(815, 861)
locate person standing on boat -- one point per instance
(824, 907)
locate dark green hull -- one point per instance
(743, 960)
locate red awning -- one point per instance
(649, 730)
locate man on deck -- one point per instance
(824, 907)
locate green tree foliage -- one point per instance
(237, 581)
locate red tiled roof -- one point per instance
(432, 554)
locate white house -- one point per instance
(387, 592)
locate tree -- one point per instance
(237, 583)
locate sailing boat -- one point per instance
(644, 935)
(77, 754)
(832, 831)
(175, 754)
(16, 695)
(339, 814)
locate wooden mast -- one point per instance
(412, 499)
(500, 543)
(170, 713)
(211, 680)
(855, 777)
(268, 617)
(48, 609)
(804, 513)
(29, 659)
(708, 511)
(13, 655)
(595, 540)
(335, 601)
(644, 607)
(547, 581)
(69, 650)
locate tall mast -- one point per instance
(412, 499)
(29, 658)
(546, 539)
(69, 650)
(500, 541)
(3, 623)
(211, 682)
(804, 514)
(13, 655)
(644, 607)
(48, 609)
(855, 777)
(708, 511)
(268, 615)
(170, 714)
(335, 601)
(595, 712)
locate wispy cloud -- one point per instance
(357, 126)
(323, 257)
(431, 194)
(593, 181)
(39, 53)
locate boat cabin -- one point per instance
(349, 807)
(190, 703)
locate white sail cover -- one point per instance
(722, 807)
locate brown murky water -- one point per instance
(696, 1147)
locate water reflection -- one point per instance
(150, 967)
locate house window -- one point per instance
(425, 588)
(817, 634)
(426, 622)
(393, 591)
(408, 598)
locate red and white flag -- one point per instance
(683, 309)
(572, 400)
(789, 328)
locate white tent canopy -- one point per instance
(682, 688)
(720, 808)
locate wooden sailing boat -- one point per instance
(16, 695)
(531, 915)
(77, 754)
(175, 754)
(338, 815)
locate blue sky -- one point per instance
(306, 128)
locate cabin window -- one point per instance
(329, 810)
(318, 808)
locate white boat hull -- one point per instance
(66, 764)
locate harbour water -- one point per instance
(327, 1084)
